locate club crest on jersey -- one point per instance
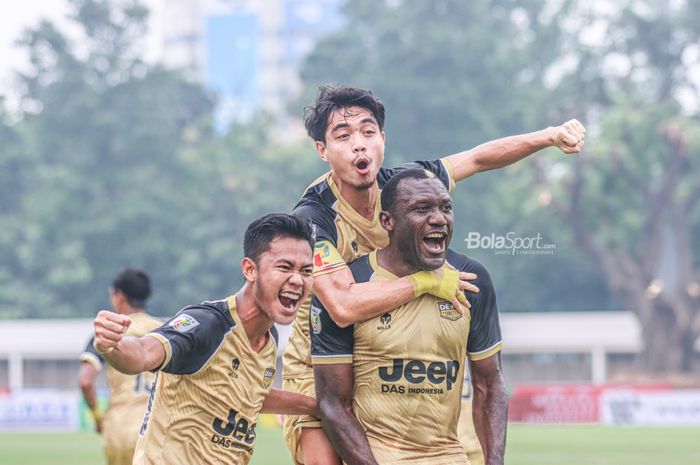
(183, 323)
(267, 377)
(384, 322)
(447, 310)
(315, 317)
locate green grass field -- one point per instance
(527, 445)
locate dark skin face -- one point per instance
(420, 227)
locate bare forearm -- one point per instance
(135, 355)
(499, 153)
(490, 412)
(289, 403)
(346, 433)
(90, 396)
(363, 301)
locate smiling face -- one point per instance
(281, 278)
(421, 225)
(354, 147)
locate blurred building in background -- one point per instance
(248, 52)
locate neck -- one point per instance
(255, 322)
(128, 310)
(390, 259)
(362, 201)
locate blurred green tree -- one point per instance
(632, 201)
(114, 164)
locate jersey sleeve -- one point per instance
(329, 342)
(327, 259)
(190, 338)
(91, 355)
(440, 168)
(485, 328)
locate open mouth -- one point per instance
(435, 242)
(362, 165)
(289, 299)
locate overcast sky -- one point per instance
(17, 16)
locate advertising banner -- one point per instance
(672, 408)
(39, 410)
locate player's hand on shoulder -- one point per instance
(110, 328)
(569, 137)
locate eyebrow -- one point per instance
(343, 124)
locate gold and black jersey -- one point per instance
(342, 235)
(209, 391)
(128, 393)
(408, 365)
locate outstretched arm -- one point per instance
(490, 407)
(284, 402)
(128, 354)
(349, 302)
(334, 386)
(502, 152)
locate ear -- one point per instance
(249, 269)
(386, 220)
(321, 149)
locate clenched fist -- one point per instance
(110, 328)
(569, 136)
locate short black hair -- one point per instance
(135, 285)
(331, 98)
(264, 230)
(389, 190)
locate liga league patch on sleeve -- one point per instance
(326, 258)
(183, 323)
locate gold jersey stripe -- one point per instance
(486, 353)
(92, 360)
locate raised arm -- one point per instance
(502, 152)
(284, 402)
(349, 302)
(128, 354)
(490, 407)
(334, 387)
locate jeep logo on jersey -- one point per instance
(385, 321)
(447, 310)
(416, 372)
(234, 432)
(267, 377)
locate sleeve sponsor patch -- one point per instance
(315, 316)
(183, 323)
(326, 258)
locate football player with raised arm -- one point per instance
(216, 360)
(347, 126)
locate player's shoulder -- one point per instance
(211, 317)
(318, 195)
(468, 264)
